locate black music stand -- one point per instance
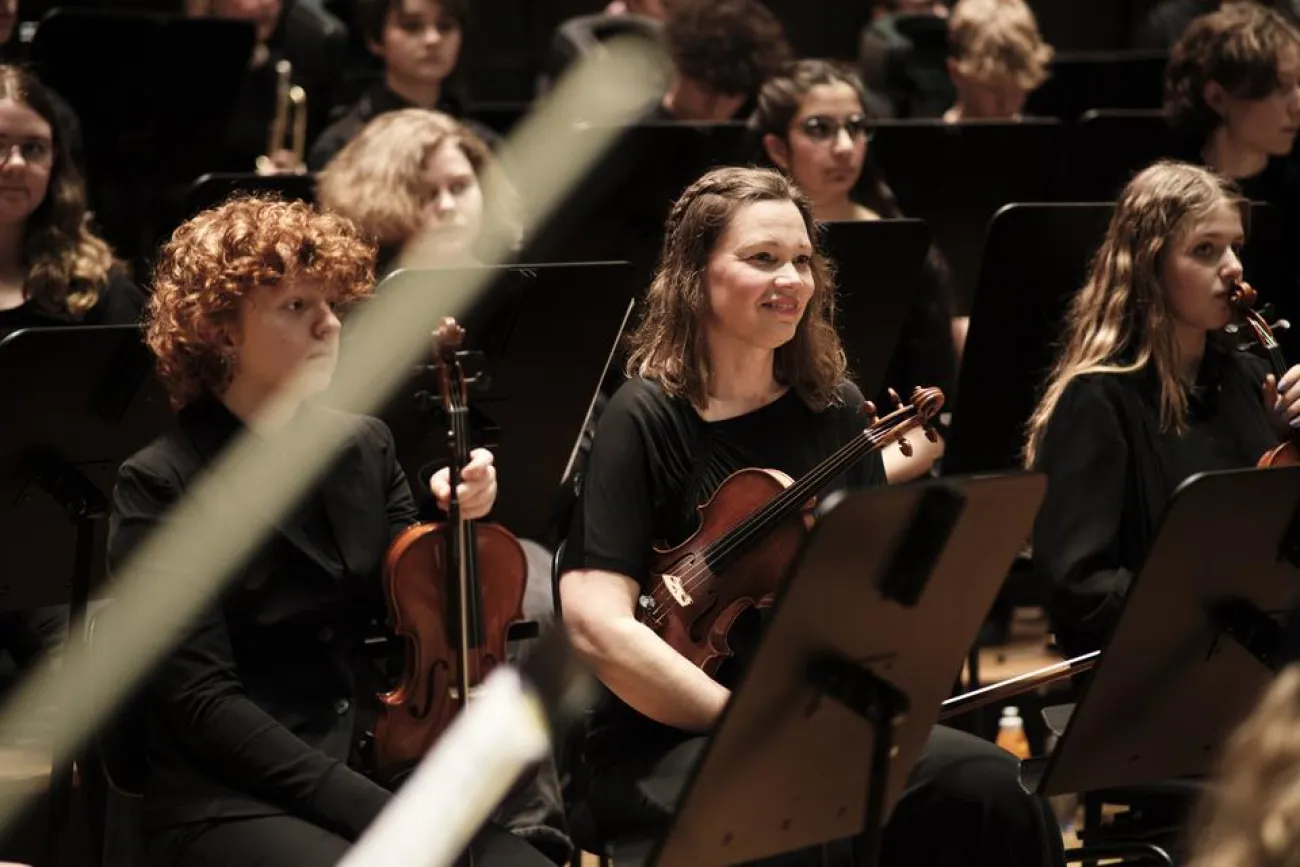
(546, 333)
(87, 399)
(956, 177)
(1080, 82)
(877, 264)
(1036, 258)
(877, 615)
(156, 109)
(619, 211)
(1108, 147)
(213, 188)
(1199, 638)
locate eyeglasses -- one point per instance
(821, 128)
(33, 151)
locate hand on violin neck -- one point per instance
(477, 492)
(1282, 399)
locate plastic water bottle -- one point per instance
(1011, 733)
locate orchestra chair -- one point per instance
(583, 830)
(113, 769)
(1081, 82)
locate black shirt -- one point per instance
(1111, 472)
(653, 462)
(121, 303)
(374, 102)
(1166, 23)
(259, 709)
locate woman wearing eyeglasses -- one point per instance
(53, 270)
(812, 123)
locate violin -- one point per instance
(454, 589)
(749, 533)
(1243, 298)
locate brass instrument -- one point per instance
(290, 114)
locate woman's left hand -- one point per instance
(478, 486)
(1283, 398)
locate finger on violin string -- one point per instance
(1289, 379)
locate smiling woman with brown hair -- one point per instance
(737, 364)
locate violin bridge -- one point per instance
(676, 590)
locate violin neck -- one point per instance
(789, 501)
(462, 548)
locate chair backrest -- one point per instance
(120, 743)
(556, 560)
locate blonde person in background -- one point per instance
(1251, 815)
(996, 59)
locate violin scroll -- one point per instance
(1242, 295)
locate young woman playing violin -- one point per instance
(254, 720)
(1148, 390)
(737, 364)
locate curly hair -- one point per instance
(1239, 48)
(727, 46)
(378, 181)
(1251, 815)
(1120, 321)
(998, 40)
(68, 266)
(217, 258)
(668, 344)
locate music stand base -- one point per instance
(882, 705)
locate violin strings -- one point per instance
(855, 449)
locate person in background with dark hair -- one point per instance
(1232, 97)
(1168, 21)
(419, 42)
(721, 52)
(812, 123)
(1232, 93)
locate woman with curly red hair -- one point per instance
(53, 269)
(257, 719)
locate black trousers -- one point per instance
(963, 806)
(275, 841)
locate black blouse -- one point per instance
(1111, 471)
(121, 303)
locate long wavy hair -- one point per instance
(67, 264)
(1121, 321)
(669, 344)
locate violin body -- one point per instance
(1242, 296)
(699, 630)
(1284, 455)
(750, 532)
(424, 611)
